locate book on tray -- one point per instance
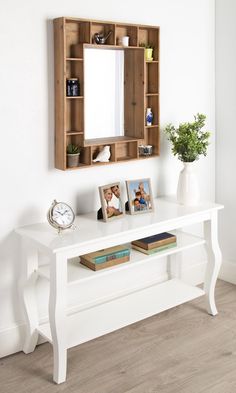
(154, 250)
(155, 241)
(106, 258)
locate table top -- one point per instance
(89, 229)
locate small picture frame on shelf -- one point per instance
(140, 198)
(112, 205)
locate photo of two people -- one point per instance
(112, 206)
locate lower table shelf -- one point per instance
(125, 310)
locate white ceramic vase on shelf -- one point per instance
(188, 189)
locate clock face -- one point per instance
(63, 215)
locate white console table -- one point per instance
(119, 295)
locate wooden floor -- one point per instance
(183, 350)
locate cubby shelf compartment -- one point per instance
(152, 101)
(152, 78)
(126, 150)
(151, 137)
(74, 114)
(96, 149)
(127, 30)
(141, 88)
(149, 35)
(103, 28)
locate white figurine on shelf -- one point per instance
(103, 155)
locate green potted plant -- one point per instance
(148, 51)
(189, 142)
(73, 153)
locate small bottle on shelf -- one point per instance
(72, 87)
(149, 117)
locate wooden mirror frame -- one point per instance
(141, 86)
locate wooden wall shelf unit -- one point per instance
(141, 89)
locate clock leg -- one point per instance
(57, 316)
(214, 262)
(27, 292)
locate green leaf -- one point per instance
(188, 140)
(72, 149)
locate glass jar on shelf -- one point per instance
(72, 87)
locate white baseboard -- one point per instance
(11, 338)
(228, 272)
(195, 274)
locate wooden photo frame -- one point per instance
(140, 198)
(112, 205)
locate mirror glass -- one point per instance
(103, 93)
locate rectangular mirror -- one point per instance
(103, 93)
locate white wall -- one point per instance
(29, 181)
(226, 133)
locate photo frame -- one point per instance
(140, 198)
(111, 202)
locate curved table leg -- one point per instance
(57, 316)
(214, 262)
(27, 289)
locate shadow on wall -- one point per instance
(10, 264)
(89, 200)
(86, 200)
(163, 163)
(50, 92)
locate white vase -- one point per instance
(188, 190)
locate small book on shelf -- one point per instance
(98, 266)
(154, 241)
(154, 250)
(105, 258)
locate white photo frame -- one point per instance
(140, 198)
(111, 202)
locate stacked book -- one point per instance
(106, 258)
(152, 244)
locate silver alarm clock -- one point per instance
(60, 215)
